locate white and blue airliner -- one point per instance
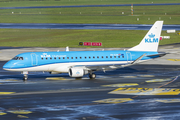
(80, 63)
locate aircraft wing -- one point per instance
(99, 67)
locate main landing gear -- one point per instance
(92, 75)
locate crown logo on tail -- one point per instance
(151, 35)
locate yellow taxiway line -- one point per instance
(114, 100)
(4, 93)
(20, 112)
(55, 78)
(121, 85)
(174, 60)
(146, 91)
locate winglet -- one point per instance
(151, 40)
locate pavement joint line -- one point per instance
(59, 91)
(169, 82)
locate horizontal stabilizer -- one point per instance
(138, 59)
(159, 54)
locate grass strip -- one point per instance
(119, 15)
(22, 3)
(71, 38)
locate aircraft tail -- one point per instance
(151, 40)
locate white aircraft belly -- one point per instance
(64, 67)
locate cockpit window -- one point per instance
(18, 58)
(15, 58)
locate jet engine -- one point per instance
(77, 72)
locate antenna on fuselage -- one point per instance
(67, 48)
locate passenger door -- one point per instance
(34, 59)
(129, 57)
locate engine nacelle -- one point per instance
(77, 72)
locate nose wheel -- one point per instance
(25, 76)
(92, 75)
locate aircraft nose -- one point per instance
(7, 66)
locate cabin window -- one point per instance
(97, 56)
(50, 58)
(93, 57)
(54, 57)
(71, 57)
(114, 56)
(42, 58)
(123, 56)
(63, 57)
(110, 56)
(102, 57)
(80, 57)
(106, 56)
(46, 58)
(59, 58)
(89, 57)
(67, 57)
(85, 57)
(118, 56)
(76, 57)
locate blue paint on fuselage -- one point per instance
(32, 59)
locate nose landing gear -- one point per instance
(25, 73)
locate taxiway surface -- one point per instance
(145, 91)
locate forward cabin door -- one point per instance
(129, 57)
(34, 59)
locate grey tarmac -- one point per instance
(149, 90)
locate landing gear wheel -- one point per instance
(25, 77)
(25, 73)
(92, 76)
